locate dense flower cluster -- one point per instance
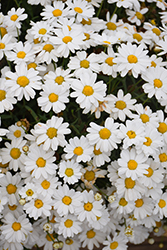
(91, 166)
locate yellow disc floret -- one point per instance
(57, 12)
(87, 90)
(139, 15)
(29, 192)
(129, 183)
(78, 10)
(2, 95)
(68, 223)
(132, 59)
(162, 203)
(148, 142)
(150, 172)
(114, 245)
(162, 127)
(88, 206)
(38, 203)
(11, 189)
(17, 133)
(23, 81)
(163, 157)
(16, 226)
(59, 80)
(53, 97)
(48, 47)
(157, 83)
(111, 26)
(21, 54)
(67, 200)
(120, 105)
(51, 132)
(156, 31)
(42, 31)
(67, 39)
(40, 162)
(109, 61)
(137, 36)
(123, 202)
(45, 184)
(69, 172)
(132, 164)
(89, 175)
(90, 234)
(78, 151)
(145, 118)
(139, 203)
(84, 64)
(14, 17)
(2, 45)
(131, 134)
(15, 153)
(105, 133)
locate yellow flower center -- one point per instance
(144, 118)
(90, 234)
(84, 22)
(57, 12)
(78, 151)
(114, 245)
(131, 134)
(132, 59)
(32, 65)
(109, 61)
(51, 133)
(16, 226)
(40, 162)
(87, 36)
(148, 142)
(15, 153)
(123, 202)
(97, 151)
(36, 41)
(88, 90)
(162, 203)
(153, 64)
(23, 81)
(150, 172)
(59, 80)
(45, 184)
(78, 10)
(120, 105)
(21, 54)
(66, 200)
(88, 206)
(67, 39)
(3, 31)
(11, 189)
(139, 203)
(111, 26)
(157, 83)
(2, 95)
(129, 183)
(42, 31)
(14, 17)
(107, 42)
(53, 219)
(29, 192)
(50, 237)
(69, 172)
(38, 203)
(53, 97)
(105, 133)
(12, 208)
(68, 223)
(163, 157)
(84, 64)
(139, 15)
(137, 36)
(132, 164)
(48, 47)
(17, 133)
(4, 165)
(2, 45)
(158, 223)
(89, 175)
(69, 241)
(162, 127)
(156, 31)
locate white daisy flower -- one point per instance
(132, 133)
(42, 2)
(21, 53)
(161, 205)
(67, 40)
(90, 208)
(162, 126)
(130, 189)
(53, 97)
(6, 97)
(108, 67)
(23, 82)
(15, 132)
(118, 242)
(101, 221)
(157, 61)
(113, 172)
(3, 200)
(143, 208)
(161, 157)
(70, 243)
(47, 186)
(41, 30)
(5, 45)
(91, 237)
(68, 226)
(40, 162)
(28, 192)
(99, 158)
(132, 164)
(122, 206)
(70, 170)
(125, 3)
(105, 137)
(140, 234)
(121, 105)
(52, 133)
(80, 149)
(83, 64)
(155, 192)
(131, 58)
(162, 46)
(156, 83)
(111, 23)
(13, 153)
(81, 9)
(153, 31)
(41, 206)
(13, 17)
(136, 16)
(105, 39)
(15, 229)
(66, 200)
(10, 187)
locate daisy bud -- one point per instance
(47, 227)
(111, 198)
(56, 245)
(22, 201)
(98, 196)
(161, 245)
(61, 244)
(128, 231)
(19, 123)
(67, 241)
(156, 230)
(151, 241)
(25, 148)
